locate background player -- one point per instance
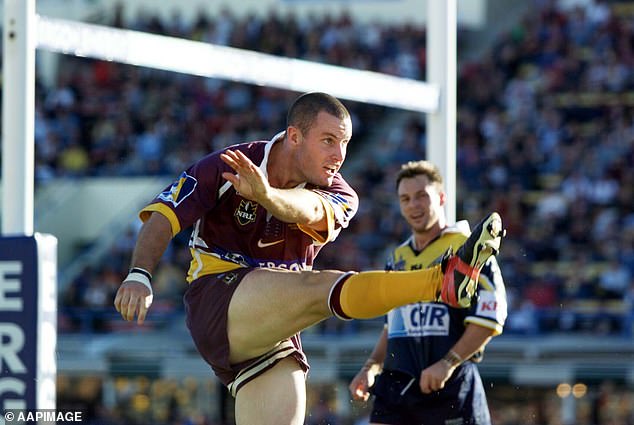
(427, 350)
(260, 213)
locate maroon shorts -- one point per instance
(206, 305)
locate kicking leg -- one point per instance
(272, 305)
(365, 295)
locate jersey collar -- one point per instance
(267, 151)
(461, 226)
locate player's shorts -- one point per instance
(399, 400)
(206, 305)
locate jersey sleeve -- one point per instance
(340, 202)
(490, 310)
(191, 195)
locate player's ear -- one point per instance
(443, 198)
(293, 135)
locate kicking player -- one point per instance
(261, 211)
(427, 351)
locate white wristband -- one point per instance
(140, 275)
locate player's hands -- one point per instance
(249, 181)
(133, 299)
(435, 376)
(361, 383)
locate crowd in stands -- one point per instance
(545, 136)
(109, 119)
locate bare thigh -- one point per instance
(278, 396)
(272, 305)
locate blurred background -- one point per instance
(545, 136)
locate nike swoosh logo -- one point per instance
(267, 244)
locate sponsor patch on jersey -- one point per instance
(488, 306)
(421, 319)
(246, 212)
(180, 189)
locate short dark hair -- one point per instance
(422, 167)
(306, 107)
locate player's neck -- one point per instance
(425, 237)
(279, 168)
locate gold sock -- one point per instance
(371, 294)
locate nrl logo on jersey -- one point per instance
(246, 212)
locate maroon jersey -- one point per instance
(231, 231)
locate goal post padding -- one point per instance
(28, 319)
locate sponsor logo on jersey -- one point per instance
(180, 189)
(267, 244)
(284, 265)
(421, 319)
(246, 212)
(488, 306)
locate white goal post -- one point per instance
(24, 31)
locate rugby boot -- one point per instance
(462, 270)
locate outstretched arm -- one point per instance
(474, 338)
(298, 206)
(133, 297)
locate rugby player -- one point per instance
(260, 212)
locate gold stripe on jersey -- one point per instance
(485, 323)
(203, 264)
(405, 256)
(144, 214)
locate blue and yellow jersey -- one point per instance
(230, 231)
(420, 334)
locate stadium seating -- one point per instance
(545, 136)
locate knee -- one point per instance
(320, 285)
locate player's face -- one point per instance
(322, 150)
(421, 203)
